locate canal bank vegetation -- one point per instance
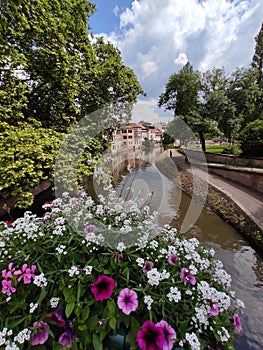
(218, 105)
(53, 73)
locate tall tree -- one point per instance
(62, 71)
(257, 60)
(257, 63)
(183, 94)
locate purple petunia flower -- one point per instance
(42, 336)
(66, 338)
(56, 318)
(148, 265)
(169, 335)
(187, 277)
(26, 273)
(102, 289)
(172, 259)
(237, 323)
(150, 337)
(127, 301)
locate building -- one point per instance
(131, 136)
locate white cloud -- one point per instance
(155, 37)
(147, 111)
(182, 59)
(116, 10)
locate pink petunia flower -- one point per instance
(150, 337)
(26, 273)
(42, 335)
(9, 273)
(237, 323)
(127, 301)
(89, 228)
(55, 317)
(7, 287)
(169, 335)
(8, 223)
(187, 277)
(102, 289)
(172, 259)
(66, 339)
(148, 265)
(214, 309)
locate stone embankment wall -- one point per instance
(248, 172)
(216, 199)
(226, 159)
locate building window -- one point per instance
(130, 131)
(130, 136)
(124, 137)
(124, 131)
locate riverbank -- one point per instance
(241, 208)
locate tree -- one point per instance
(181, 91)
(64, 74)
(257, 59)
(252, 139)
(185, 93)
(243, 90)
(257, 63)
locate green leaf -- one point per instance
(111, 306)
(85, 313)
(69, 309)
(92, 323)
(96, 342)
(82, 327)
(112, 323)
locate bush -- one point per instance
(27, 154)
(252, 139)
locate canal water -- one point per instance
(136, 173)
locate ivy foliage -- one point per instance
(26, 158)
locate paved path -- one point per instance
(247, 199)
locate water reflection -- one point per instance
(240, 260)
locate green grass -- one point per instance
(215, 148)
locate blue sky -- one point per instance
(157, 37)
(106, 19)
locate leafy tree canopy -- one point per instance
(52, 69)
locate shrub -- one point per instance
(252, 139)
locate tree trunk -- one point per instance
(202, 140)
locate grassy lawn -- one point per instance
(215, 148)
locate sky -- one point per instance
(157, 37)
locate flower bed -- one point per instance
(86, 270)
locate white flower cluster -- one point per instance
(61, 249)
(88, 270)
(40, 281)
(154, 276)
(224, 335)
(73, 271)
(148, 300)
(20, 338)
(174, 295)
(54, 302)
(33, 307)
(193, 341)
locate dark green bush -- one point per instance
(252, 139)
